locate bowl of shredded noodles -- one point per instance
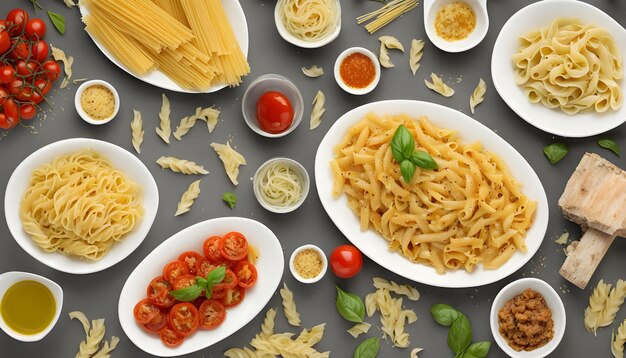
(308, 23)
(281, 185)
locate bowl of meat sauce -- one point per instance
(357, 71)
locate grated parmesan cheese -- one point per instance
(308, 263)
(98, 102)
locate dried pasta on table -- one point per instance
(415, 54)
(478, 96)
(136, 127)
(231, 159)
(181, 165)
(318, 110)
(188, 197)
(165, 127)
(289, 305)
(597, 303)
(439, 86)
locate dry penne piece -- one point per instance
(318, 110)
(188, 197)
(313, 71)
(181, 165)
(439, 86)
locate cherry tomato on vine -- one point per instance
(35, 28)
(19, 90)
(274, 112)
(4, 122)
(20, 51)
(27, 69)
(346, 261)
(40, 50)
(4, 94)
(5, 41)
(12, 111)
(27, 111)
(52, 69)
(43, 86)
(7, 74)
(16, 19)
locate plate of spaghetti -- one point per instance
(476, 218)
(80, 205)
(184, 46)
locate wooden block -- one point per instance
(595, 196)
(580, 265)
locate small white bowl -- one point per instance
(324, 264)
(287, 36)
(431, 7)
(300, 172)
(8, 279)
(79, 107)
(371, 56)
(553, 301)
(265, 83)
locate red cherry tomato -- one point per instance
(157, 286)
(274, 112)
(203, 267)
(43, 86)
(40, 50)
(52, 69)
(246, 273)
(233, 246)
(4, 122)
(21, 50)
(20, 90)
(163, 300)
(35, 29)
(174, 270)
(5, 41)
(346, 261)
(7, 74)
(27, 69)
(184, 318)
(12, 111)
(169, 337)
(16, 20)
(190, 258)
(184, 281)
(233, 296)
(212, 314)
(211, 249)
(145, 311)
(157, 323)
(27, 111)
(4, 94)
(229, 281)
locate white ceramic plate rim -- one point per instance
(237, 19)
(122, 160)
(375, 247)
(270, 267)
(553, 121)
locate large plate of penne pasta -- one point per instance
(476, 218)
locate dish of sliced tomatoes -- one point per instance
(173, 319)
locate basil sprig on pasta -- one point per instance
(403, 150)
(192, 292)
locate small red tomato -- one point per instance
(7, 74)
(4, 94)
(20, 51)
(346, 261)
(11, 111)
(5, 41)
(27, 69)
(40, 50)
(52, 69)
(4, 122)
(16, 20)
(35, 28)
(27, 111)
(43, 86)
(274, 112)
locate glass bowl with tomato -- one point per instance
(272, 106)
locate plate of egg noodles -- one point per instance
(476, 218)
(559, 65)
(80, 205)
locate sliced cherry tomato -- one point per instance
(27, 111)
(20, 51)
(233, 296)
(346, 261)
(16, 19)
(4, 122)
(5, 41)
(35, 28)
(218, 292)
(174, 270)
(274, 112)
(40, 50)
(7, 74)
(203, 267)
(169, 337)
(212, 314)
(246, 273)
(229, 281)
(163, 300)
(211, 249)
(190, 258)
(198, 301)
(184, 318)
(157, 286)
(234, 246)
(145, 311)
(52, 69)
(157, 323)
(11, 111)
(185, 281)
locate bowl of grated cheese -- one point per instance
(308, 263)
(97, 102)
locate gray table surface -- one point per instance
(97, 294)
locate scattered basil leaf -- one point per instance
(423, 160)
(443, 314)
(215, 276)
(350, 306)
(187, 294)
(407, 168)
(555, 152)
(368, 348)
(477, 350)
(460, 334)
(58, 21)
(402, 144)
(230, 199)
(610, 145)
(201, 281)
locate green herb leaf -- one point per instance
(230, 199)
(444, 315)
(215, 276)
(368, 348)
(201, 281)
(407, 168)
(402, 144)
(555, 152)
(350, 306)
(58, 21)
(610, 145)
(477, 350)
(208, 292)
(423, 160)
(187, 294)
(460, 334)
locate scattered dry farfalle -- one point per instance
(387, 43)
(562, 240)
(188, 197)
(94, 334)
(68, 61)
(359, 328)
(318, 110)
(618, 340)
(409, 291)
(597, 302)
(231, 159)
(137, 131)
(414, 352)
(438, 86)
(392, 317)
(415, 54)
(478, 96)
(313, 71)
(613, 303)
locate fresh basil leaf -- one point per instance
(477, 350)
(555, 152)
(460, 334)
(208, 292)
(368, 348)
(610, 145)
(407, 168)
(230, 199)
(350, 306)
(201, 281)
(58, 21)
(402, 144)
(443, 314)
(187, 294)
(423, 160)
(215, 276)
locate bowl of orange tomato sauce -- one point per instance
(357, 71)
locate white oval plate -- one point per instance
(236, 18)
(553, 121)
(375, 246)
(122, 160)
(270, 268)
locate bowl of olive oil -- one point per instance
(30, 305)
